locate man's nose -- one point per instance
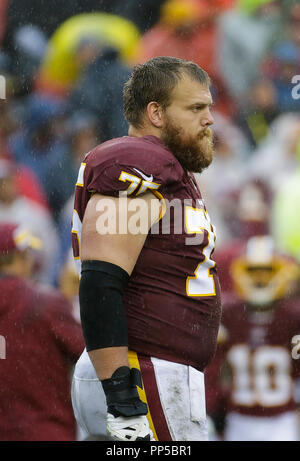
(207, 119)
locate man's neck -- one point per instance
(144, 131)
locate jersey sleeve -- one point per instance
(124, 179)
(130, 172)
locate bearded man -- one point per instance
(149, 298)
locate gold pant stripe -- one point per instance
(134, 363)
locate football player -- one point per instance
(149, 298)
(40, 342)
(256, 362)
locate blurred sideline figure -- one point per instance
(285, 218)
(18, 208)
(42, 341)
(60, 70)
(40, 145)
(68, 283)
(275, 158)
(245, 35)
(188, 29)
(253, 382)
(99, 88)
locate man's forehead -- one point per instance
(190, 90)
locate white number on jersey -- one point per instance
(202, 283)
(260, 377)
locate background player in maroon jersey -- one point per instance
(256, 363)
(40, 340)
(149, 299)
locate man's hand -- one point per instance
(135, 428)
(126, 417)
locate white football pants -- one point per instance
(284, 427)
(174, 393)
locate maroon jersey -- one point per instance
(173, 298)
(42, 341)
(258, 349)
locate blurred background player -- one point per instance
(251, 48)
(16, 206)
(42, 341)
(68, 283)
(258, 377)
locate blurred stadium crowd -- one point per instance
(65, 64)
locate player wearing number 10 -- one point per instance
(255, 374)
(150, 302)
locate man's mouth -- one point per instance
(205, 133)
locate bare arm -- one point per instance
(121, 249)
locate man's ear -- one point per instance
(155, 114)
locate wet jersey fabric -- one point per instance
(173, 297)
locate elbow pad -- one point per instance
(102, 312)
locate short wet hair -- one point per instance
(154, 81)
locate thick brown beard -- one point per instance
(191, 153)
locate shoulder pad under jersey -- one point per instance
(131, 166)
